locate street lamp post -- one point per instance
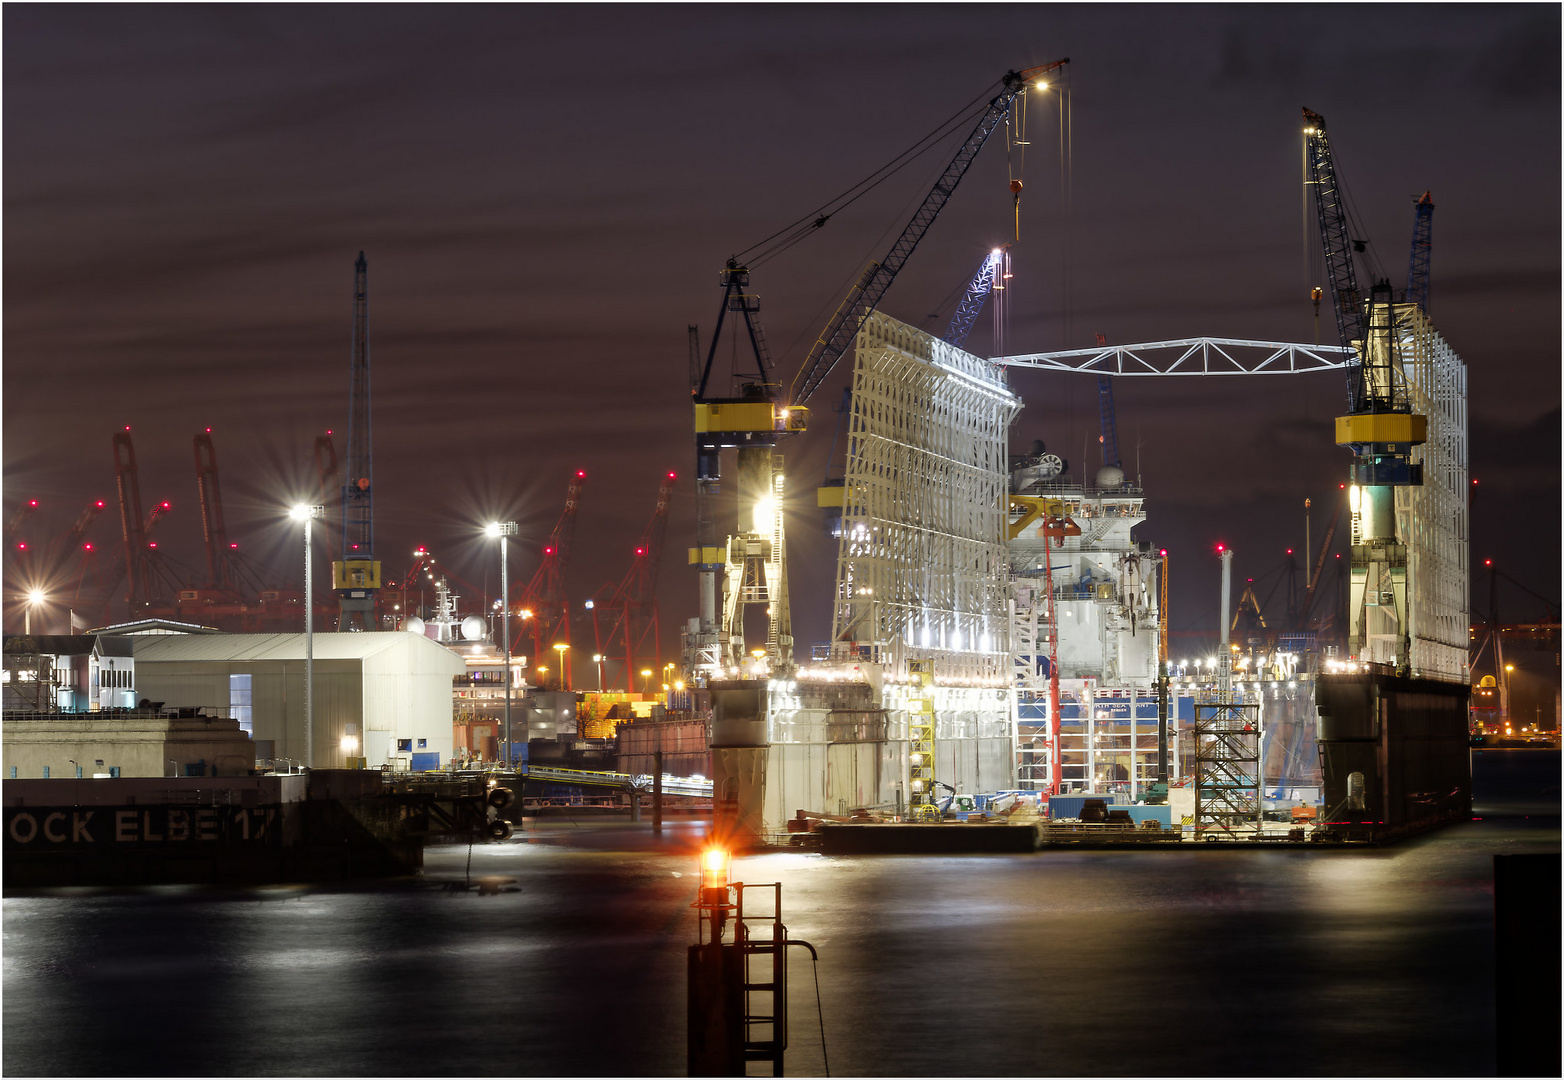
(308, 514)
(504, 530)
(561, 648)
(597, 658)
(34, 598)
(646, 678)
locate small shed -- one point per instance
(383, 696)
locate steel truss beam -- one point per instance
(1190, 356)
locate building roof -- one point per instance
(252, 648)
(154, 626)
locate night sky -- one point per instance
(545, 196)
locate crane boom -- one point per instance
(1331, 210)
(978, 288)
(867, 291)
(213, 530)
(1422, 248)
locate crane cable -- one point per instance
(811, 222)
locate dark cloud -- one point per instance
(546, 193)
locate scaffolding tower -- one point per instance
(1227, 770)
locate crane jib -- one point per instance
(866, 295)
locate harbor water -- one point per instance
(571, 960)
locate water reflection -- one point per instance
(1080, 963)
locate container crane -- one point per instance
(543, 601)
(1380, 427)
(356, 576)
(1422, 248)
(633, 604)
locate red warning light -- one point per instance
(671, 476)
(165, 506)
(152, 544)
(1341, 487)
(33, 503)
(22, 546)
(208, 431)
(1289, 551)
(1163, 553)
(233, 547)
(1221, 548)
(640, 551)
(548, 551)
(1486, 562)
(86, 547)
(127, 427)
(99, 504)
(580, 474)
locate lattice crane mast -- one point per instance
(982, 283)
(545, 611)
(1422, 248)
(1380, 427)
(356, 576)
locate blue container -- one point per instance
(426, 762)
(1069, 806)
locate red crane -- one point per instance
(633, 605)
(143, 571)
(545, 611)
(219, 574)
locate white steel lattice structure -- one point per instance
(1431, 519)
(921, 563)
(1190, 356)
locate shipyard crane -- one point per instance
(633, 604)
(983, 282)
(543, 600)
(356, 576)
(219, 572)
(867, 291)
(754, 563)
(14, 526)
(1380, 427)
(68, 543)
(144, 573)
(1422, 248)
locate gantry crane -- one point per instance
(633, 604)
(755, 420)
(545, 612)
(356, 576)
(1380, 427)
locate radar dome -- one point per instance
(1110, 477)
(474, 628)
(413, 624)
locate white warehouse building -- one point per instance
(383, 696)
